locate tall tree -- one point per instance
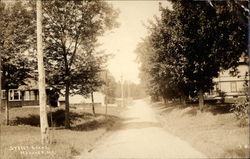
(42, 93)
(110, 87)
(92, 80)
(187, 53)
(207, 54)
(17, 32)
(70, 27)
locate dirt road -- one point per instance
(141, 136)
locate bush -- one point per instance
(241, 112)
(58, 118)
(241, 107)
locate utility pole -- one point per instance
(41, 79)
(1, 86)
(128, 92)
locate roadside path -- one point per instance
(141, 136)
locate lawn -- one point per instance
(21, 140)
(215, 132)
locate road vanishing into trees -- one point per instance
(141, 136)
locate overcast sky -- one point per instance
(122, 41)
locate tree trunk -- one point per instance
(183, 99)
(67, 117)
(7, 107)
(1, 83)
(106, 93)
(93, 104)
(164, 100)
(201, 100)
(22, 97)
(41, 72)
(106, 109)
(106, 105)
(122, 93)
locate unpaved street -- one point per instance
(141, 136)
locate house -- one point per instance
(28, 95)
(229, 87)
(79, 99)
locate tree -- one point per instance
(42, 93)
(108, 89)
(201, 25)
(70, 27)
(17, 32)
(110, 86)
(187, 53)
(93, 81)
(145, 52)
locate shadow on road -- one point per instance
(128, 123)
(99, 122)
(192, 109)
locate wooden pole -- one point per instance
(41, 72)
(1, 86)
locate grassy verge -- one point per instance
(214, 132)
(21, 140)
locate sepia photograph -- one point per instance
(124, 79)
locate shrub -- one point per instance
(241, 112)
(58, 118)
(241, 107)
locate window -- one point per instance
(26, 95)
(32, 95)
(14, 95)
(3, 94)
(233, 87)
(29, 95)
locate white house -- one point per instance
(79, 99)
(233, 87)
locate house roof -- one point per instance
(31, 84)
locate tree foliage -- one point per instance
(17, 31)
(71, 29)
(191, 44)
(16, 34)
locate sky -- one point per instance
(122, 41)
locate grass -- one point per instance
(214, 132)
(21, 140)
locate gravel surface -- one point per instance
(141, 136)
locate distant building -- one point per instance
(79, 99)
